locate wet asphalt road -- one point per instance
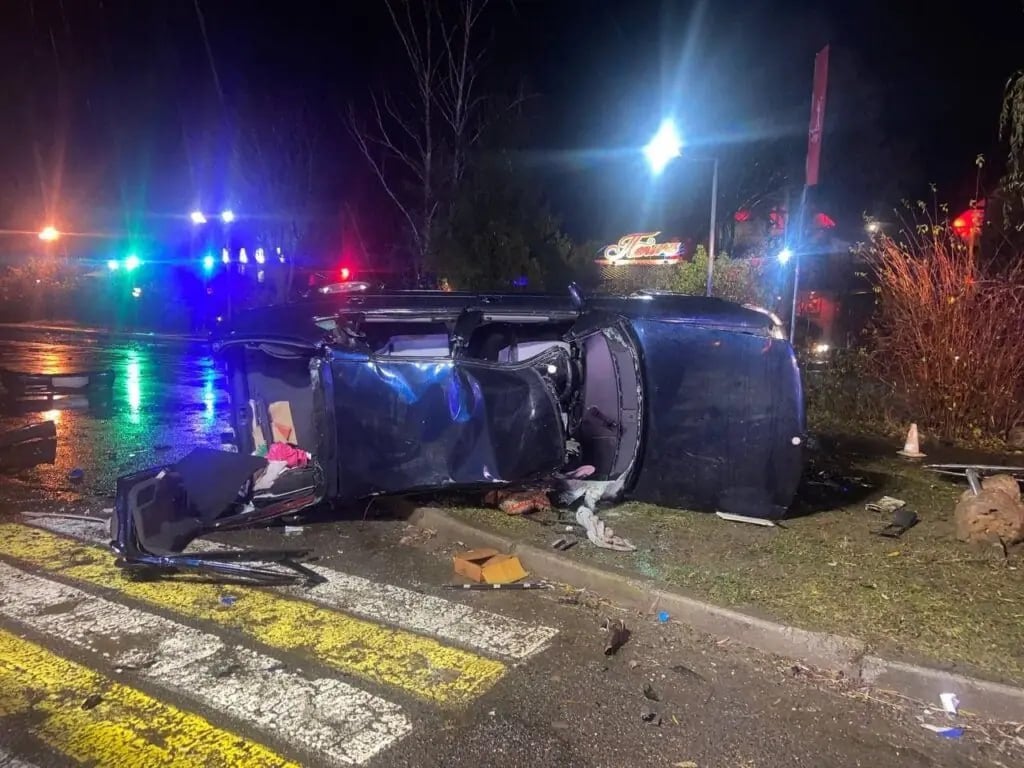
(567, 705)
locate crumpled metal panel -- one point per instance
(725, 420)
(407, 425)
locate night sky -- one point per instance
(113, 108)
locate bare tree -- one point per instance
(277, 149)
(417, 150)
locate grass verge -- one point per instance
(925, 597)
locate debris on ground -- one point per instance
(293, 530)
(903, 520)
(886, 505)
(950, 702)
(76, 475)
(599, 534)
(649, 716)
(945, 731)
(663, 617)
(519, 502)
(28, 446)
(650, 693)
(415, 535)
(489, 566)
(745, 519)
(564, 542)
(996, 514)
(618, 635)
(684, 670)
(92, 701)
(685, 764)
(20, 384)
(228, 600)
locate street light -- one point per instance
(132, 263)
(785, 255)
(873, 227)
(665, 146)
(197, 217)
(49, 234)
(227, 216)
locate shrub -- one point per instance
(739, 280)
(947, 333)
(846, 397)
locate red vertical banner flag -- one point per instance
(817, 126)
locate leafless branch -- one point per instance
(377, 166)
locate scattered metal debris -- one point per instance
(902, 521)
(745, 519)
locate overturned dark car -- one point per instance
(677, 400)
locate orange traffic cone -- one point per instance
(912, 447)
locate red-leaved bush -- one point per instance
(949, 333)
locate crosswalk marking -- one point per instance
(396, 658)
(7, 760)
(327, 718)
(124, 729)
(456, 622)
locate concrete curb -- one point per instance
(819, 649)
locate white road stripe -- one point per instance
(8, 760)
(478, 630)
(323, 717)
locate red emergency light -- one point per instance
(969, 223)
(346, 273)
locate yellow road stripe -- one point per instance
(44, 694)
(419, 665)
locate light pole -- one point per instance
(665, 146)
(711, 233)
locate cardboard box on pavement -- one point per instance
(489, 566)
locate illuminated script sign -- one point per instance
(643, 246)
